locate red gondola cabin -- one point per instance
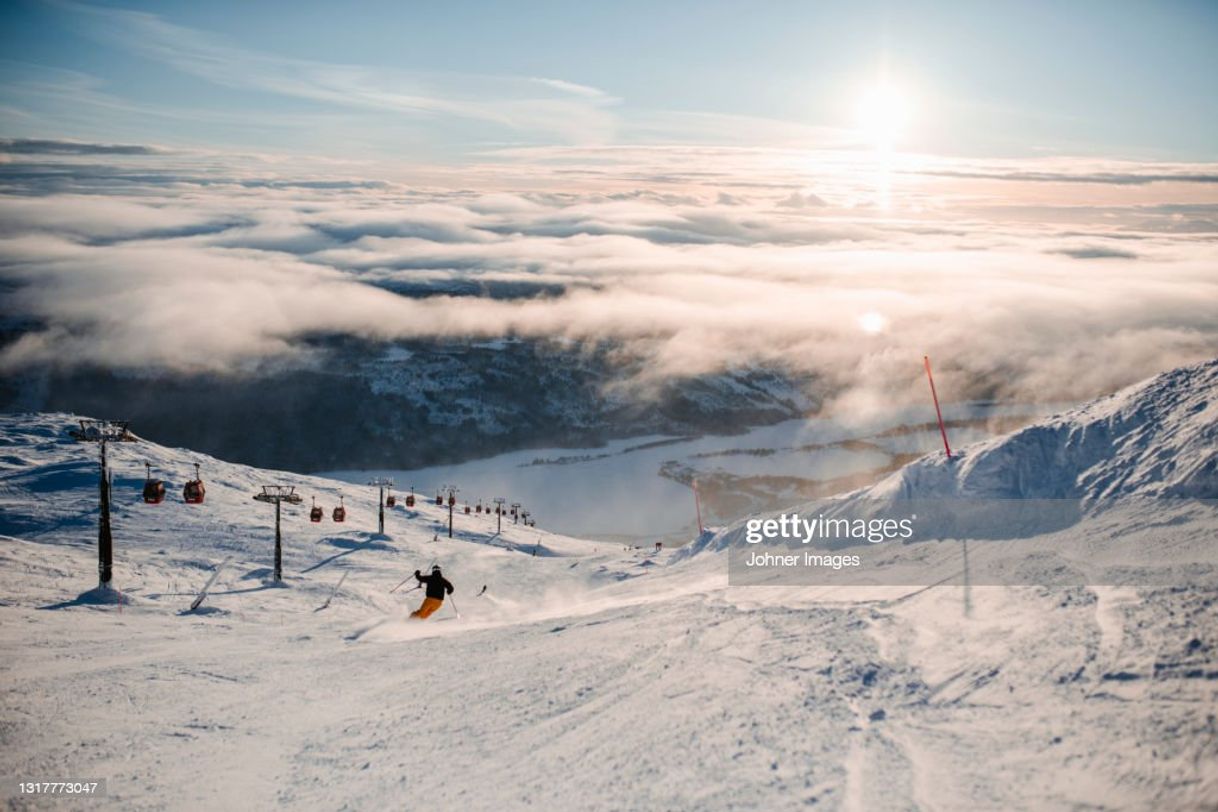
(193, 491)
(154, 489)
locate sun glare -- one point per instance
(872, 323)
(882, 114)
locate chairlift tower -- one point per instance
(382, 483)
(499, 503)
(278, 494)
(103, 432)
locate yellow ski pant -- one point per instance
(428, 606)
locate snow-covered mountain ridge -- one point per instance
(1155, 438)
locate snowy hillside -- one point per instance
(590, 676)
(48, 493)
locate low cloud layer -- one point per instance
(153, 263)
(43, 146)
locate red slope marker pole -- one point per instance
(698, 506)
(938, 413)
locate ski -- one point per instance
(334, 591)
(198, 601)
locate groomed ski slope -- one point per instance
(589, 676)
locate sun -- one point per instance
(882, 114)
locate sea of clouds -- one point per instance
(1034, 280)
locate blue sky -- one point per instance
(443, 81)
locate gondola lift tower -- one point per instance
(277, 495)
(103, 432)
(382, 483)
(453, 490)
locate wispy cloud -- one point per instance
(571, 87)
(555, 107)
(1180, 174)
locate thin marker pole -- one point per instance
(698, 507)
(938, 412)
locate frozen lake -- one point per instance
(617, 491)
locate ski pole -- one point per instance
(408, 577)
(455, 609)
(399, 586)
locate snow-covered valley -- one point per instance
(588, 674)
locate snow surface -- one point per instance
(590, 676)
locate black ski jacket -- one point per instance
(436, 585)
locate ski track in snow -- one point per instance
(587, 677)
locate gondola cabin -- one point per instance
(193, 491)
(467, 510)
(390, 500)
(410, 501)
(316, 513)
(154, 489)
(439, 499)
(340, 512)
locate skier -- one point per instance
(437, 585)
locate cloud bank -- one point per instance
(695, 264)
